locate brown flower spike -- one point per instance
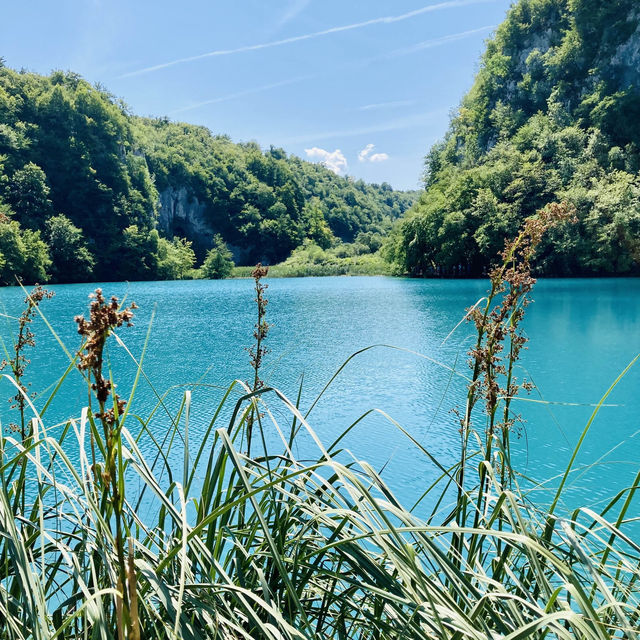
(26, 338)
(104, 317)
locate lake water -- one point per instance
(583, 333)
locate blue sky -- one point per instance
(366, 87)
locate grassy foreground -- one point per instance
(247, 542)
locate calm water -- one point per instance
(583, 333)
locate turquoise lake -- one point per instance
(583, 333)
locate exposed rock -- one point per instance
(627, 56)
(182, 214)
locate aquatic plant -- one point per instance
(18, 362)
(258, 351)
(108, 474)
(497, 320)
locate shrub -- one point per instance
(72, 260)
(219, 260)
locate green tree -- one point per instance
(175, 259)
(219, 261)
(317, 228)
(135, 256)
(37, 261)
(27, 192)
(24, 255)
(72, 260)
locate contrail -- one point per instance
(392, 125)
(449, 4)
(386, 105)
(436, 42)
(298, 7)
(242, 94)
(427, 44)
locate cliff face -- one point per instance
(627, 55)
(575, 53)
(182, 214)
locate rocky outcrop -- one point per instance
(627, 56)
(182, 214)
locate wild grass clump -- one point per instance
(248, 542)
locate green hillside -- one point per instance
(90, 191)
(553, 115)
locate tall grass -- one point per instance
(269, 546)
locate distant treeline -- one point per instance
(82, 179)
(553, 115)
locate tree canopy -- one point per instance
(71, 149)
(553, 115)
(219, 261)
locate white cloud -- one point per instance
(366, 156)
(333, 160)
(362, 156)
(447, 4)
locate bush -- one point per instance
(174, 259)
(311, 260)
(23, 254)
(218, 263)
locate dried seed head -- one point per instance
(26, 338)
(104, 317)
(512, 279)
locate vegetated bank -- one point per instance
(553, 115)
(89, 191)
(363, 257)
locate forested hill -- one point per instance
(553, 115)
(90, 191)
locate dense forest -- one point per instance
(553, 115)
(90, 191)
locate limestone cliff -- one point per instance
(182, 214)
